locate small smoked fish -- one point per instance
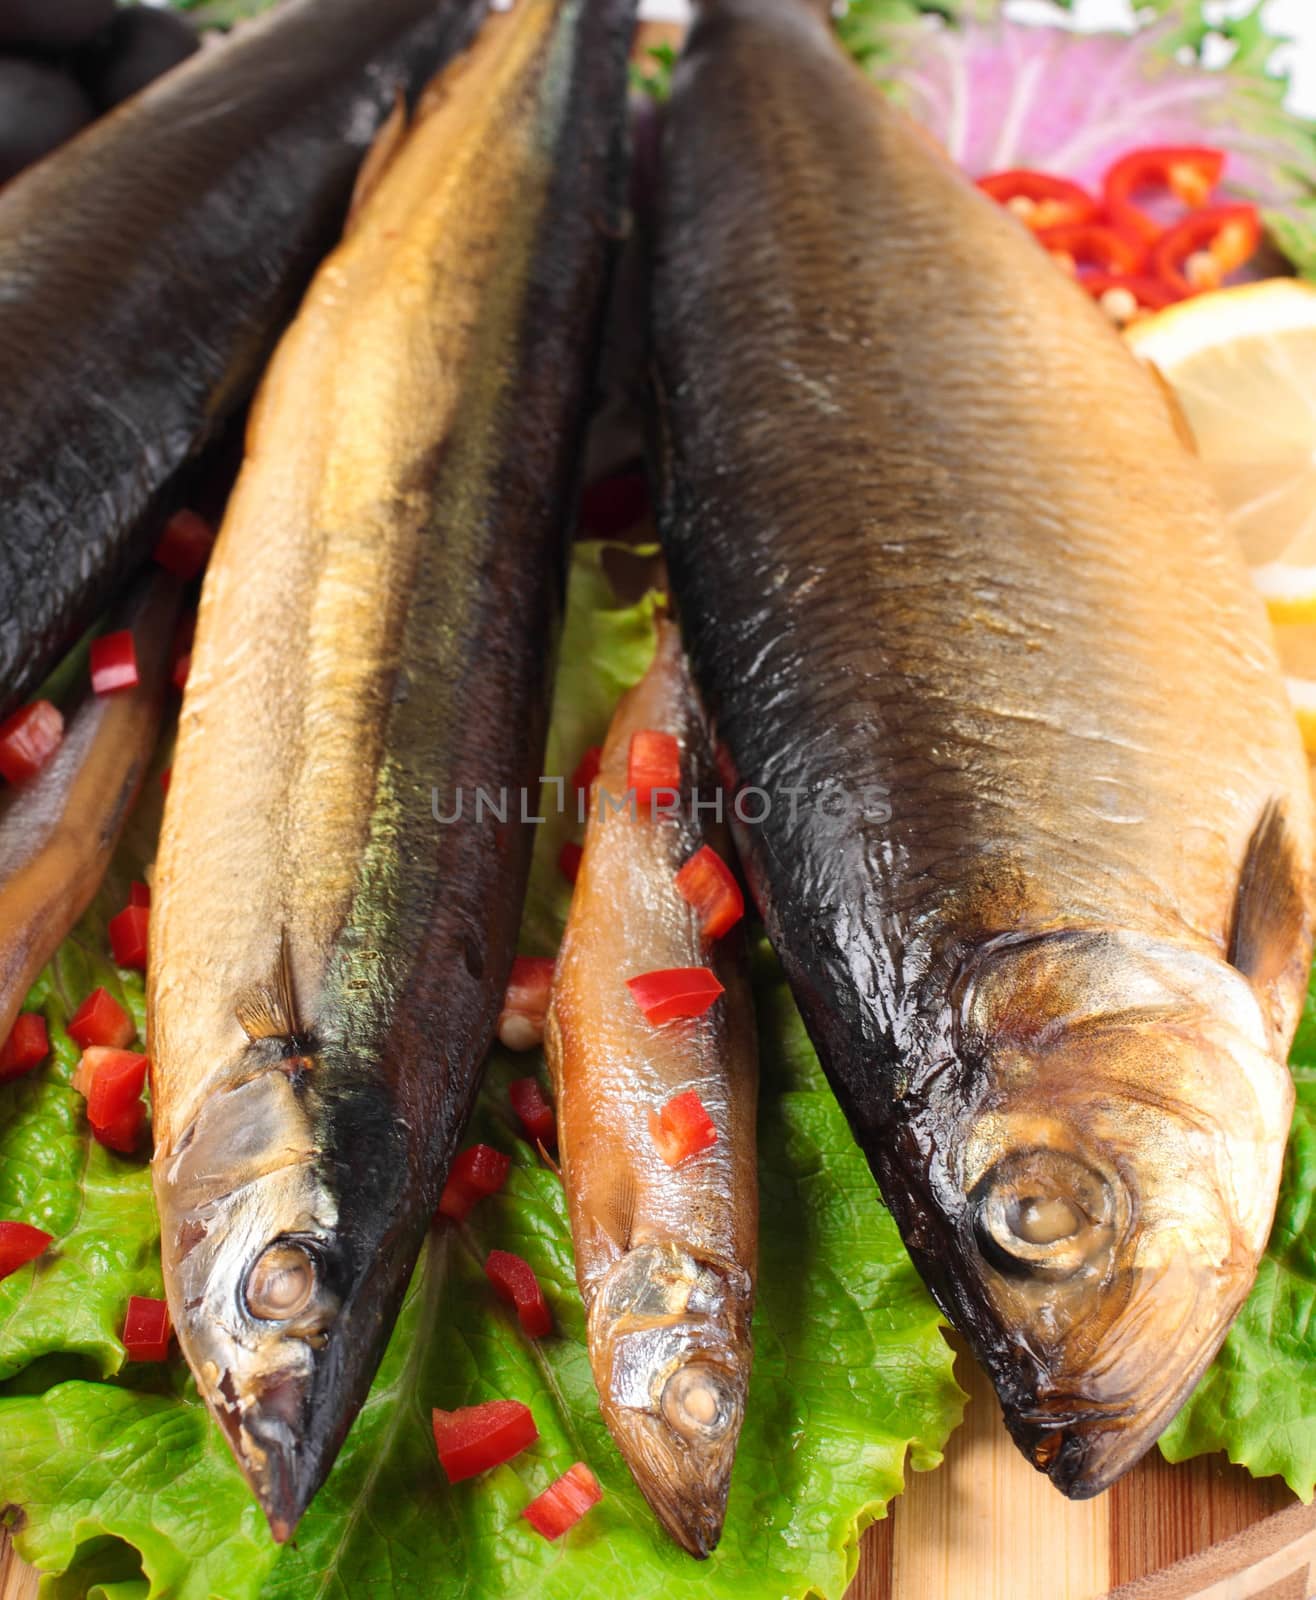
(665, 1256)
(1038, 857)
(59, 829)
(145, 272)
(376, 630)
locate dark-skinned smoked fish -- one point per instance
(958, 598)
(59, 829)
(665, 1256)
(145, 272)
(376, 630)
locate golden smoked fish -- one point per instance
(958, 598)
(665, 1255)
(376, 630)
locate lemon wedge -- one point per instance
(1243, 365)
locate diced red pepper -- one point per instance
(674, 992)
(614, 504)
(1200, 252)
(476, 1173)
(128, 936)
(525, 1005)
(182, 666)
(569, 858)
(20, 1243)
(683, 1128)
(564, 1503)
(1039, 199)
(1146, 294)
(653, 764)
(28, 739)
(112, 1081)
(185, 544)
(123, 1133)
(711, 888)
(1092, 246)
(27, 1046)
(587, 769)
(1188, 172)
(532, 1110)
(165, 776)
(514, 1281)
(147, 1329)
(473, 1439)
(101, 1020)
(139, 894)
(113, 662)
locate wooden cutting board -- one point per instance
(985, 1526)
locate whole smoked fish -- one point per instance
(665, 1255)
(376, 630)
(959, 599)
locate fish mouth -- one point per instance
(1083, 1449)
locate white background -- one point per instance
(1293, 18)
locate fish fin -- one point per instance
(1178, 416)
(379, 158)
(622, 1205)
(1272, 924)
(269, 1011)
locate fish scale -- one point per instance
(935, 540)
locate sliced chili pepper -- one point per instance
(185, 544)
(1092, 246)
(683, 1128)
(514, 1281)
(1188, 172)
(28, 739)
(653, 766)
(564, 1503)
(711, 888)
(147, 1329)
(1122, 298)
(533, 1112)
(182, 667)
(128, 936)
(20, 1243)
(473, 1439)
(582, 779)
(569, 858)
(1039, 199)
(101, 1020)
(614, 504)
(674, 992)
(165, 776)
(27, 1046)
(1200, 252)
(476, 1173)
(113, 662)
(139, 894)
(525, 1005)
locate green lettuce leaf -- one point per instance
(127, 1485)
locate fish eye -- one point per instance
(281, 1281)
(1043, 1212)
(696, 1403)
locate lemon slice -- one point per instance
(1243, 365)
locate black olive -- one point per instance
(40, 107)
(56, 23)
(140, 44)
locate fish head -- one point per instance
(1106, 1174)
(272, 1282)
(669, 1340)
